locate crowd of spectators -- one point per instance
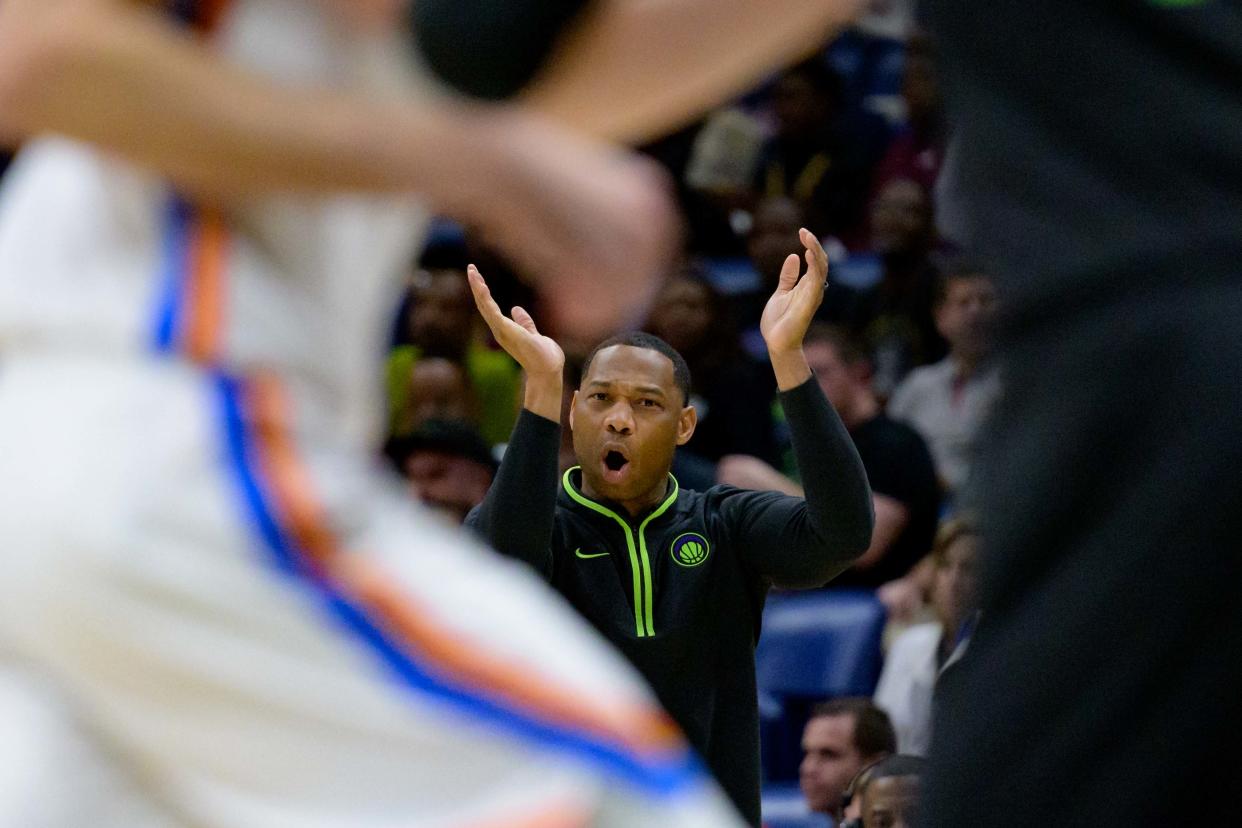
(852, 144)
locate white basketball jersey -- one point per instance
(99, 255)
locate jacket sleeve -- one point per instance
(518, 515)
(800, 543)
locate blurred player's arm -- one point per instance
(571, 211)
(517, 517)
(125, 78)
(634, 69)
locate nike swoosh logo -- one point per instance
(579, 553)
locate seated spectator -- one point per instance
(899, 467)
(917, 151)
(438, 389)
(731, 392)
(441, 322)
(918, 655)
(813, 158)
(777, 220)
(894, 317)
(449, 466)
(947, 402)
(841, 738)
(889, 794)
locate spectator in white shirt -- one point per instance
(946, 401)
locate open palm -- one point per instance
(536, 353)
(792, 307)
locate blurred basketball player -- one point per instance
(212, 612)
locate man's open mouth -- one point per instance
(615, 465)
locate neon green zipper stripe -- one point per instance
(644, 612)
(629, 542)
(642, 548)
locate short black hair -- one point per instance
(899, 764)
(960, 267)
(642, 339)
(873, 730)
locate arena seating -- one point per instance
(814, 646)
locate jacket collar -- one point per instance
(572, 492)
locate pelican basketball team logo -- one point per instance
(690, 549)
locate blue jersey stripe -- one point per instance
(671, 776)
(174, 271)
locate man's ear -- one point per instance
(686, 421)
(573, 403)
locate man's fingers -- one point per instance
(483, 297)
(524, 319)
(816, 258)
(789, 273)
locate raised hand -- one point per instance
(536, 353)
(792, 307)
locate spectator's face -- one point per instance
(447, 482)
(891, 802)
(773, 237)
(900, 218)
(441, 319)
(953, 590)
(682, 315)
(627, 417)
(801, 111)
(964, 317)
(838, 381)
(829, 761)
(439, 390)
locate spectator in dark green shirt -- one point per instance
(676, 579)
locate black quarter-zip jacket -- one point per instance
(680, 590)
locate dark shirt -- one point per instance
(680, 590)
(733, 402)
(899, 466)
(895, 321)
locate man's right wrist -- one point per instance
(543, 395)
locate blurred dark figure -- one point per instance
(448, 464)
(440, 323)
(731, 392)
